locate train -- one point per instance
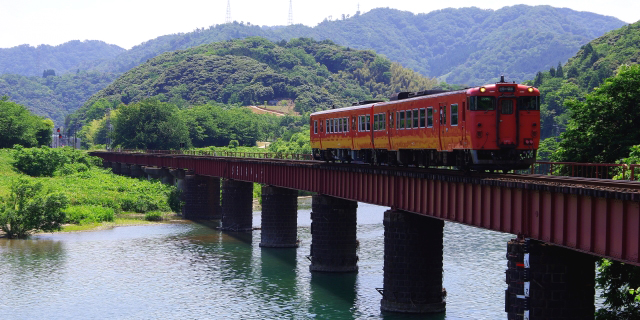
(486, 128)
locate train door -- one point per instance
(507, 127)
(442, 126)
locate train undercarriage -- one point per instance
(504, 159)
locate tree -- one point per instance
(28, 208)
(149, 124)
(559, 72)
(603, 127)
(19, 126)
(619, 283)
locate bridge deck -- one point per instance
(592, 219)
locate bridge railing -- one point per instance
(571, 169)
(233, 154)
(586, 170)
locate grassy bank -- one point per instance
(98, 198)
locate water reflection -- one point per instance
(333, 294)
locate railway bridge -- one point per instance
(561, 223)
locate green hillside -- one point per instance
(68, 57)
(461, 46)
(54, 97)
(315, 75)
(594, 62)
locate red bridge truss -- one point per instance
(581, 214)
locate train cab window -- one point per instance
(368, 123)
(506, 106)
(429, 117)
(529, 103)
(482, 103)
(415, 118)
(454, 114)
(315, 126)
(383, 124)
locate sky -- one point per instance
(127, 23)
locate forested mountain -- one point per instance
(594, 62)
(315, 75)
(461, 46)
(54, 96)
(67, 57)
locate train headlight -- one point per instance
(483, 89)
(530, 89)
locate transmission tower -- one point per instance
(290, 21)
(228, 20)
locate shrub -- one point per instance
(141, 204)
(44, 161)
(89, 214)
(174, 200)
(153, 216)
(29, 208)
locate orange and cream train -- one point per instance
(493, 127)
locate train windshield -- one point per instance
(482, 103)
(529, 103)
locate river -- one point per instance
(190, 271)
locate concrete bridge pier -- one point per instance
(333, 234)
(153, 172)
(279, 218)
(548, 282)
(201, 196)
(115, 167)
(125, 170)
(412, 277)
(178, 176)
(237, 205)
(137, 171)
(106, 164)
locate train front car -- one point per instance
(504, 125)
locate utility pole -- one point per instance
(290, 21)
(228, 19)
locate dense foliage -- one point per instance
(19, 126)
(587, 70)
(150, 124)
(68, 57)
(604, 126)
(620, 283)
(30, 208)
(54, 96)
(316, 75)
(45, 161)
(464, 46)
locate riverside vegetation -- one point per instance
(74, 192)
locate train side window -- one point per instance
(401, 119)
(346, 125)
(415, 118)
(407, 120)
(422, 115)
(336, 127)
(315, 126)
(360, 123)
(507, 106)
(327, 125)
(340, 124)
(368, 123)
(375, 122)
(383, 122)
(429, 117)
(454, 114)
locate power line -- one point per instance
(290, 22)
(228, 20)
